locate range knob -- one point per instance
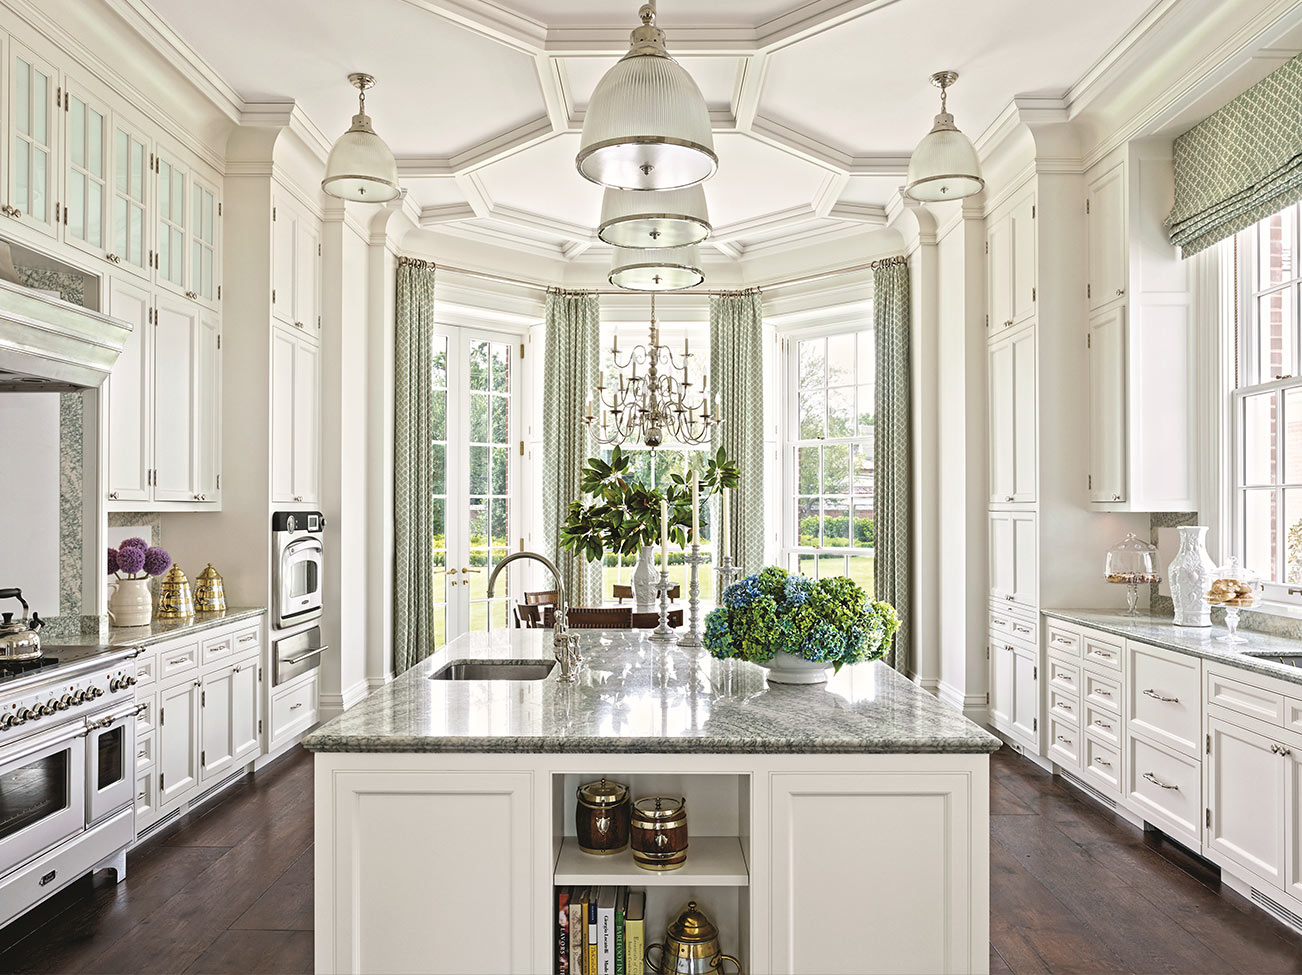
(7, 720)
(27, 714)
(95, 692)
(79, 697)
(116, 684)
(65, 702)
(131, 681)
(50, 706)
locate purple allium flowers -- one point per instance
(134, 543)
(156, 560)
(130, 559)
(112, 561)
(135, 555)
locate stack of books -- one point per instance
(600, 931)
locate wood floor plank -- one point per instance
(269, 952)
(287, 904)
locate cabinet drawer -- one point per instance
(1024, 631)
(1103, 692)
(1064, 706)
(1103, 725)
(1255, 702)
(293, 709)
(146, 719)
(146, 665)
(1063, 640)
(1102, 766)
(217, 648)
(246, 640)
(146, 798)
(1293, 714)
(1101, 651)
(144, 752)
(177, 660)
(1064, 743)
(1166, 789)
(1164, 698)
(1064, 676)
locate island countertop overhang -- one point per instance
(638, 697)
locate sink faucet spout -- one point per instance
(564, 644)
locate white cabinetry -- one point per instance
(129, 394)
(1246, 799)
(178, 740)
(1105, 206)
(1014, 674)
(295, 409)
(1012, 381)
(295, 267)
(1107, 401)
(1011, 263)
(1026, 695)
(1013, 557)
(32, 151)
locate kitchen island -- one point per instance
(836, 828)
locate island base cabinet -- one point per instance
(1245, 800)
(928, 845)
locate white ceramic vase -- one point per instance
(1189, 575)
(644, 581)
(131, 603)
(787, 668)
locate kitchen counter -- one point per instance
(637, 696)
(1196, 641)
(140, 636)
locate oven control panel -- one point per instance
(55, 701)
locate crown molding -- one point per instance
(500, 237)
(871, 214)
(811, 19)
(800, 144)
(436, 216)
(493, 21)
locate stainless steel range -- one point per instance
(67, 770)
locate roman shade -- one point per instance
(1241, 164)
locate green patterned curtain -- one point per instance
(414, 637)
(736, 374)
(893, 452)
(570, 367)
(1240, 164)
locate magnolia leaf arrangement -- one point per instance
(622, 516)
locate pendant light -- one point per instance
(656, 268)
(360, 166)
(945, 164)
(663, 218)
(647, 126)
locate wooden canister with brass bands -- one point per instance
(601, 819)
(660, 832)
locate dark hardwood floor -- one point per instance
(1073, 889)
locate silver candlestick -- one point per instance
(662, 633)
(692, 636)
(728, 574)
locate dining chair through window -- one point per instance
(546, 597)
(529, 617)
(626, 592)
(649, 621)
(594, 617)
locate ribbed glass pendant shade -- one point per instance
(944, 166)
(361, 166)
(667, 218)
(647, 126)
(656, 268)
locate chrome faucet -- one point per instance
(565, 645)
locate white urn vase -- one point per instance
(131, 604)
(787, 668)
(644, 581)
(1189, 576)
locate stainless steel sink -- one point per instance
(1288, 659)
(503, 670)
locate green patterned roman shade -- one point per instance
(1241, 164)
(737, 375)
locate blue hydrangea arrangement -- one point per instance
(831, 620)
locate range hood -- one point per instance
(50, 345)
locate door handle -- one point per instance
(303, 656)
(472, 570)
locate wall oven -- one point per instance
(297, 551)
(42, 794)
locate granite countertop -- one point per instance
(140, 636)
(1196, 641)
(636, 696)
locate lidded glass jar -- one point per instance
(1235, 588)
(1132, 563)
(601, 818)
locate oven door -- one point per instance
(42, 794)
(110, 764)
(298, 582)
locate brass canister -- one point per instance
(174, 599)
(691, 947)
(601, 818)
(659, 835)
(209, 592)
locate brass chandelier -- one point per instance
(657, 405)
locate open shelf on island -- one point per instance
(712, 861)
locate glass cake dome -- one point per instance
(1132, 563)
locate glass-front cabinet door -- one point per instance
(85, 177)
(474, 425)
(169, 259)
(34, 91)
(128, 244)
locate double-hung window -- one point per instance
(1267, 406)
(829, 455)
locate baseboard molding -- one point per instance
(951, 695)
(333, 705)
(375, 683)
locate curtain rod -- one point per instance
(770, 286)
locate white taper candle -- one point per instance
(664, 535)
(696, 508)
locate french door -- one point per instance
(476, 407)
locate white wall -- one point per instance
(29, 500)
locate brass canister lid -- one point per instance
(692, 926)
(603, 793)
(661, 807)
(209, 575)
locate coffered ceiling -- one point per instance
(816, 103)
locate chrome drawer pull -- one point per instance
(1103, 724)
(1102, 693)
(1063, 707)
(1100, 653)
(1149, 692)
(1099, 761)
(312, 653)
(1067, 678)
(998, 622)
(295, 707)
(1063, 640)
(178, 660)
(1159, 783)
(1021, 629)
(1064, 740)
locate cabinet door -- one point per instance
(1024, 292)
(307, 382)
(178, 740)
(307, 280)
(1245, 797)
(1002, 581)
(129, 215)
(999, 263)
(1106, 222)
(205, 208)
(283, 231)
(1026, 697)
(246, 743)
(1108, 392)
(33, 171)
(1001, 683)
(216, 751)
(283, 354)
(1024, 399)
(129, 396)
(1026, 576)
(173, 216)
(85, 175)
(1291, 753)
(176, 360)
(208, 408)
(1003, 430)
